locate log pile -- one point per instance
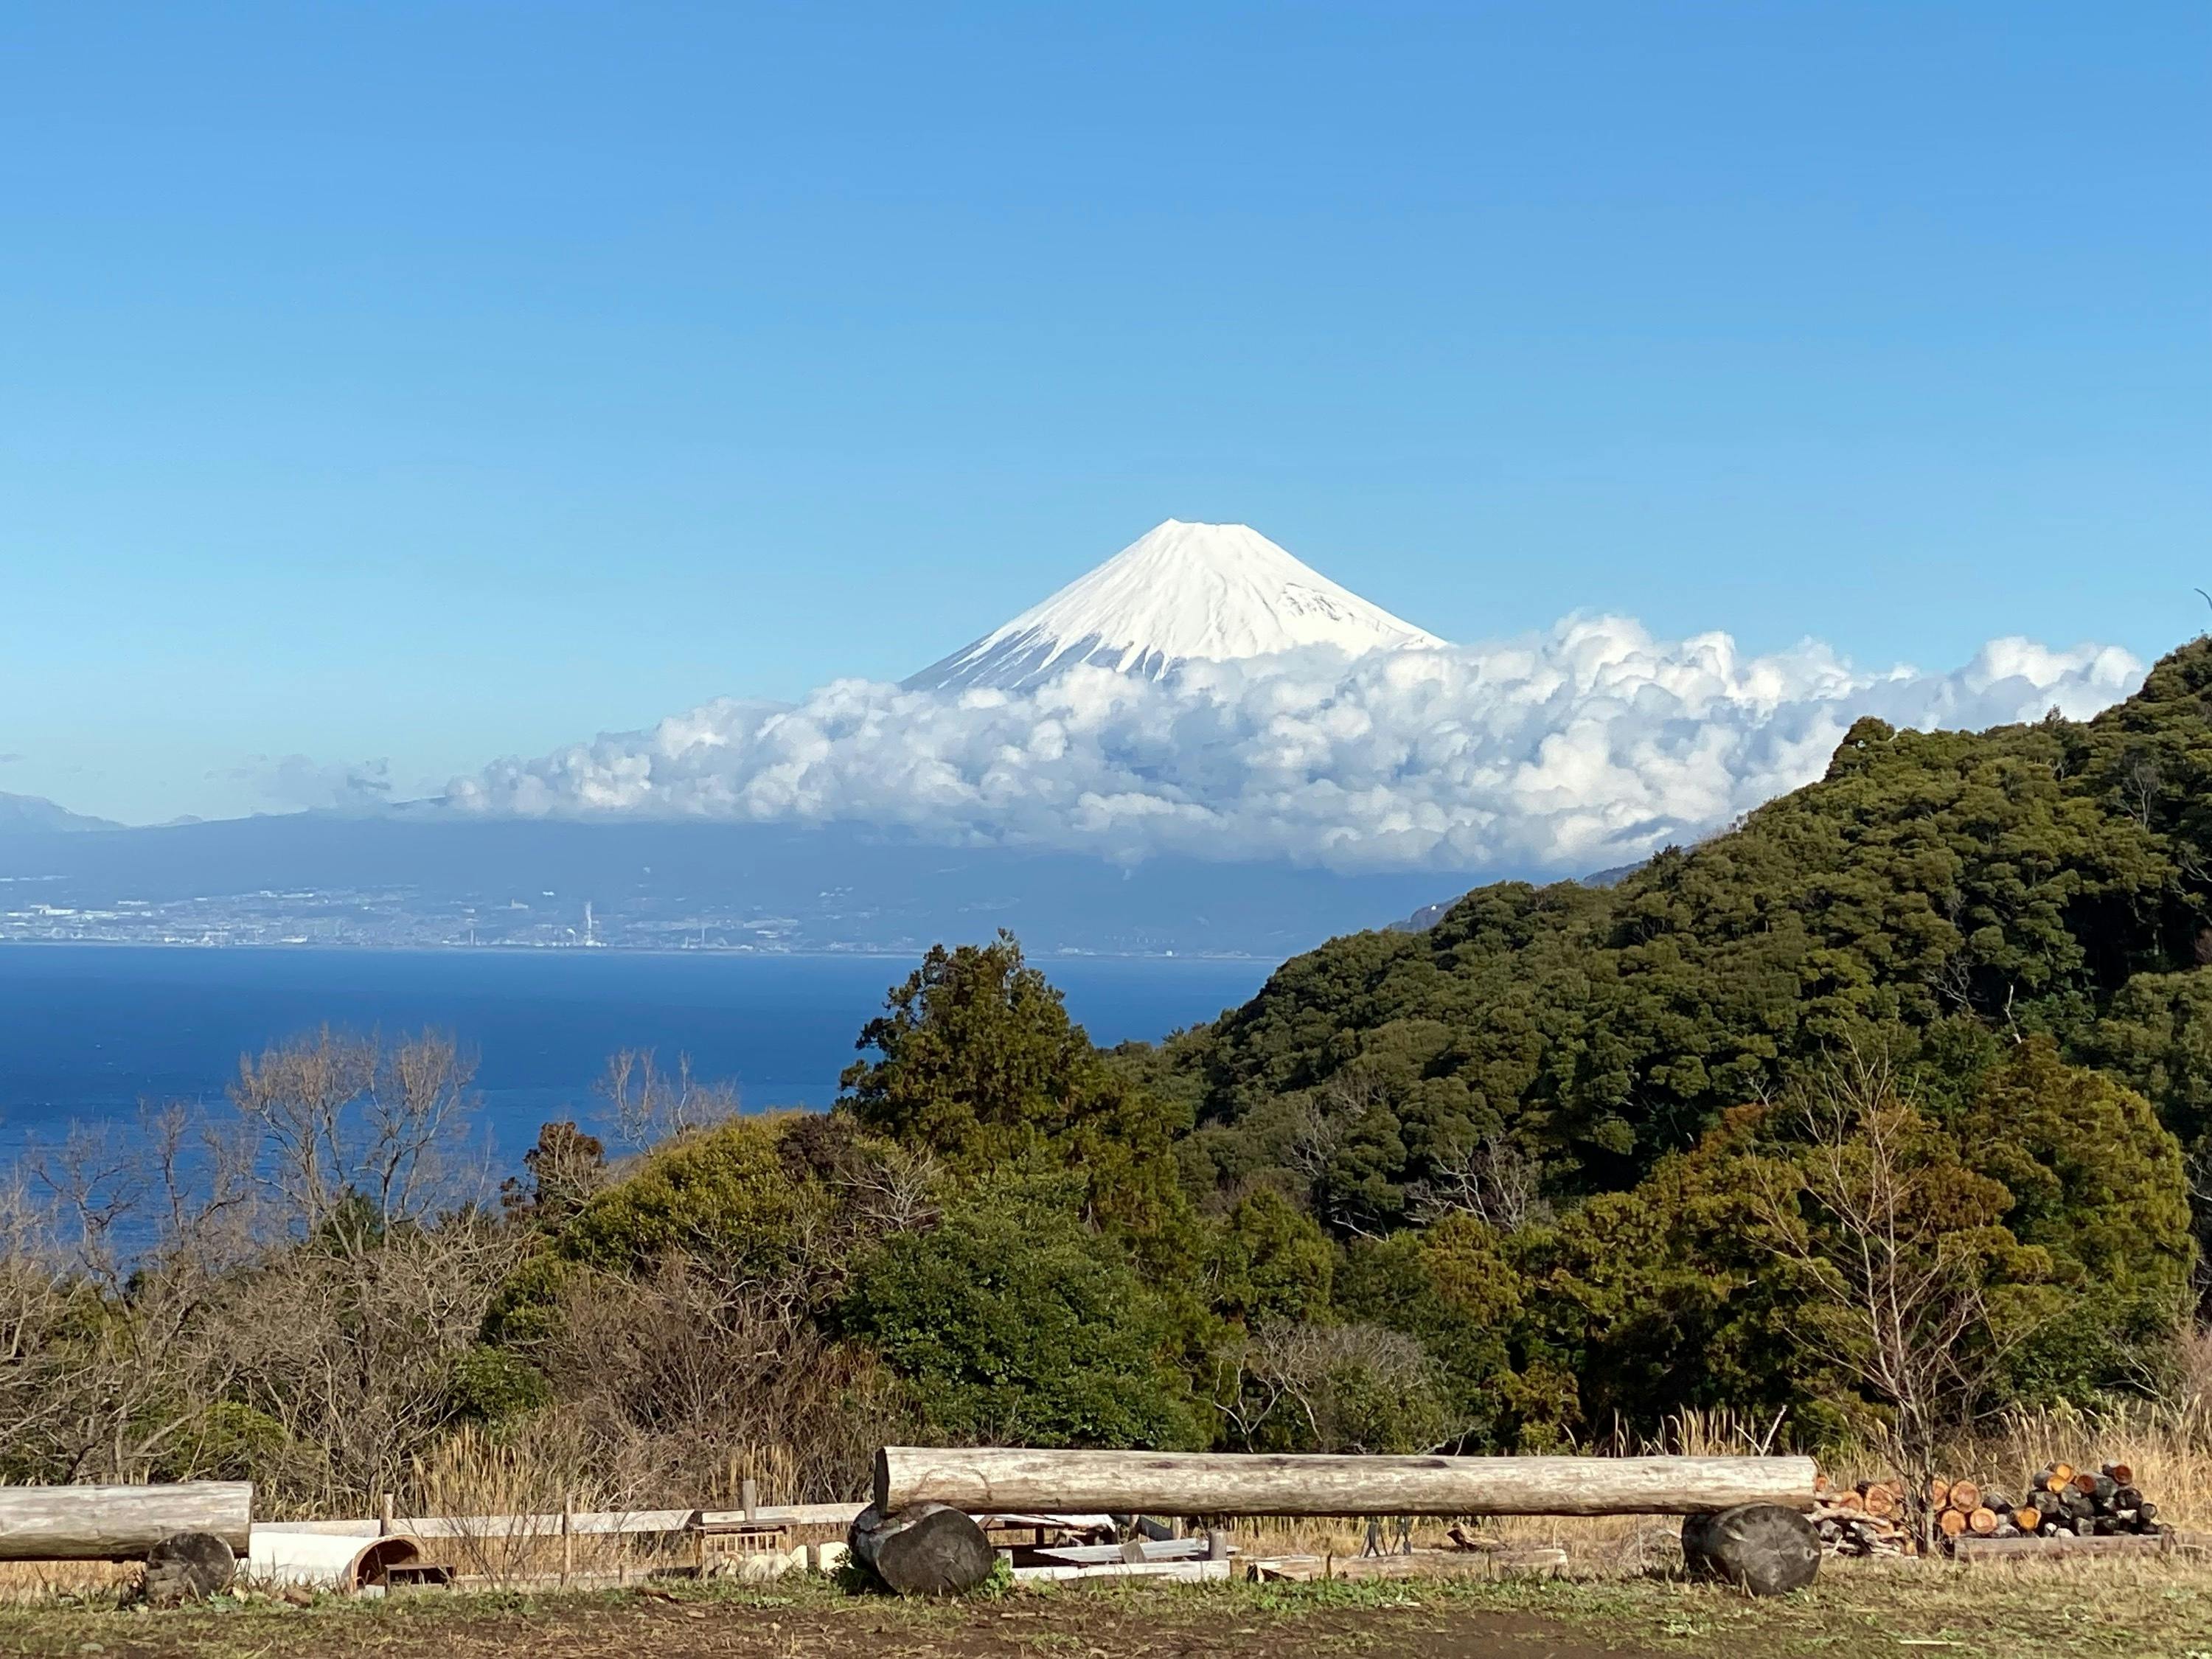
(2058, 1501)
(2061, 1500)
(1867, 1519)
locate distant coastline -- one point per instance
(517, 948)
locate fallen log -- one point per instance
(118, 1523)
(922, 1549)
(985, 1479)
(1763, 1548)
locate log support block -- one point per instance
(188, 1566)
(924, 1549)
(1762, 1548)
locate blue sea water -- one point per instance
(87, 1032)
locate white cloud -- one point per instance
(1591, 745)
(296, 780)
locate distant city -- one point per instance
(400, 918)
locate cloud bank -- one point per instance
(294, 781)
(1593, 744)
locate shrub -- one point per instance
(722, 1195)
(1014, 1322)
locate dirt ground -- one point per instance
(2143, 1612)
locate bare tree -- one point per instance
(651, 1104)
(352, 1351)
(1493, 1180)
(692, 1372)
(1351, 1387)
(891, 1189)
(1895, 1244)
(357, 1132)
(139, 1227)
(2139, 786)
(1325, 1122)
(37, 1402)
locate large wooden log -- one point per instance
(118, 1523)
(986, 1480)
(922, 1549)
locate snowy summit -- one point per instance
(1215, 593)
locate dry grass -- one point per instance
(29, 1582)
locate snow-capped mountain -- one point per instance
(1211, 592)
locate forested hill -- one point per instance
(1940, 894)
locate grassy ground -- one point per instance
(2143, 1611)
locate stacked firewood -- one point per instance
(1862, 1520)
(2061, 1499)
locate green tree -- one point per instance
(2096, 1183)
(724, 1196)
(1452, 1289)
(978, 1062)
(1270, 1261)
(1009, 1322)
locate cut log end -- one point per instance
(1763, 1548)
(188, 1566)
(925, 1549)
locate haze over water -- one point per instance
(89, 1031)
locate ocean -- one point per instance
(88, 1032)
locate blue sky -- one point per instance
(438, 382)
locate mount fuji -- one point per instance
(1209, 593)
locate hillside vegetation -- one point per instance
(1873, 1115)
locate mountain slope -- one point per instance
(1938, 894)
(1181, 592)
(34, 815)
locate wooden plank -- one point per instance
(117, 1523)
(996, 1479)
(2030, 1549)
(837, 1516)
(1082, 1555)
(1538, 1558)
(1186, 1573)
